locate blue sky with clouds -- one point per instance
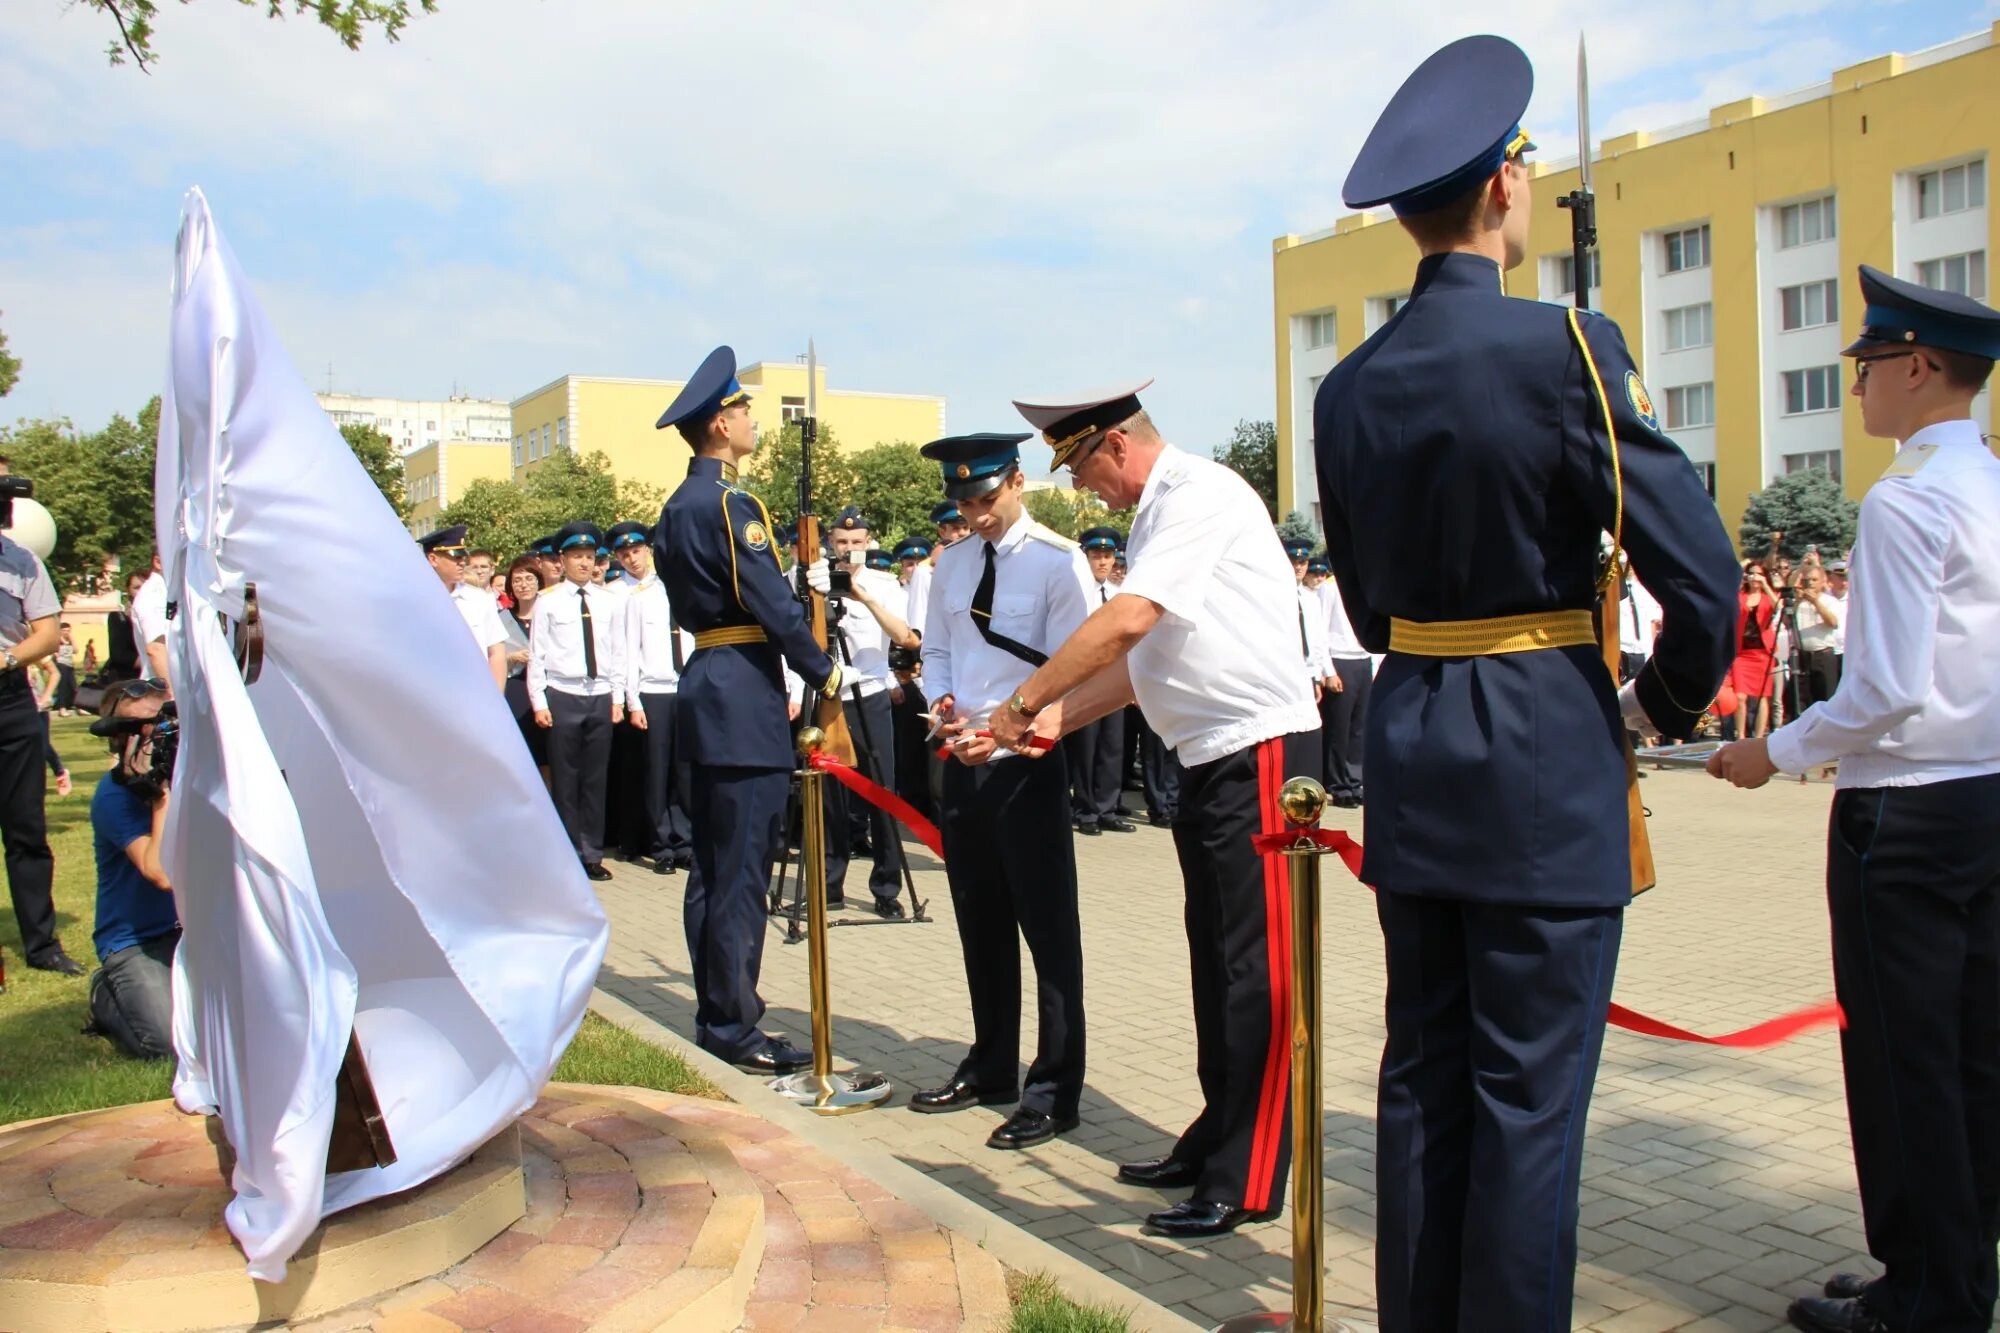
(981, 203)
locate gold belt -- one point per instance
(716, 638)
(1494, 635)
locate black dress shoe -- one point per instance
(1026, 1128)
(1087, 830)
(1826, 1314)
(1158, 820)
(1160, 1173)
(664, 866)
(1197, 1217)
(889, 909)
(959, 1094)
(1847, 1286)
(59, 962)
(595, 870)
(776, 1056)
(1115, 824)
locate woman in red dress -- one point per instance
(1753, 676)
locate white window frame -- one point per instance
(1829, 459)
(1808, 390)
(1967, 178)
(1566, 272)
(1677, 401)
(1936, 273)
(1800, 294)
(517, 451)
(1679, 238)
(1680, 336)
(562, 432)
(1807, 222)
(1319, 330)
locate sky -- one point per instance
(984, 202)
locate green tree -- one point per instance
(98, 488)
(1252, 454)
(1809, 507)
(378, 457)
(10, 368)
(1072, 512)
(772, 475)
(1299, 526)
(349, 20)
(895, 487)
(506, 516)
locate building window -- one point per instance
(791, 409)
(1826, 460)
(1706, 471)
(1690, 405)
(547, 430)
(1813, 390)
(1952, 189)
(1964, 274)
(1805, 224)
(1566, 273)
(430, 427)
(1391, 305)
(1312, 391)
(562, 432)
(1808, 305)
(1687, 249)
(517, 451)
(1319, 330)
(1690, 326)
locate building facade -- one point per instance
(435, 475)
(1727, 250)
(591, 414)
(413, 423)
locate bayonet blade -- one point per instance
(812, 381)
(1582, 116)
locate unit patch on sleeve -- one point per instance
(1642, 402)
(755, 536)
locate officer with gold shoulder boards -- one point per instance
(714, 551)
(1913, 855)
(1466, 477)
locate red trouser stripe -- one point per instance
(1264, 1143)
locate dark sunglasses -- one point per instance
(1861, 363)
(449, 552)
(138, 689)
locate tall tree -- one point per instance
(1809, 507)
(1072, 512)
(894, 487)
(505, 517)
(1298, 526)
(772, 474)
(98, 487)
(10, 368)
(1252, 454)
(383, 464)
(349, 20)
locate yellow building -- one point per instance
(591, 414)
(1727, 253)
(435, 475)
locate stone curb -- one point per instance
(1017, 1249)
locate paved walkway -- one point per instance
(1716, 1184)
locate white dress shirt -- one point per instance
(1919, 696)
(1638, 612)
(1042, 590)
(555, 643)
(649, 643)
(918, 595)
(867, 645)
(1312, 635)
(1342, 644)
(482, 617)
(149, 619)
(1219, 672)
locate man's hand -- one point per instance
(791, 710)
(1319, 693)
(1334, 684)
(1009, 728)
(970, 749)
(543, 719)
(819, 577)
(617, 714)
(637, 717)
(1745, 763)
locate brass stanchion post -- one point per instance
(1302, 801)
(822, 1090)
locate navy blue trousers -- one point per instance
(1496, 1021)
(735, 816)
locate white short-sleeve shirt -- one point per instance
(149, 618)
(481, 614)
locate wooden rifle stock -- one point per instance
(828, 715)
(1608, 614)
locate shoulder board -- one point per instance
(1050, 537)
(1909, 461)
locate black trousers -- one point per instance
(1096, 778)
(579, 767)
(1011, 863)
(666, 784)
(1161, 772)
(1819, 677)
(873, 729)
(1496, 1022)
(1239, 932)
(31, 866)
(625, 825)
(736, 816)
(1344, 718)
(1913, 885)
(913, 751)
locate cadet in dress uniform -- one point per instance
(1204, 634)
(1466, 479)
(915, 758)
(446, 551)
(656, 652)
(576, 683)
(1097, 751)
(715, 553)
(544, 551)
(1343, 706)
(999, 604)
(1913, 852)
(1312, 632)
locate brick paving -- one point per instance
(1717, 1184)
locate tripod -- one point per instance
(836, 611)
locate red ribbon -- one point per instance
(882, 799)
(1768, 1033)
(1034, 743)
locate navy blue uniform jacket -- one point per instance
(1465, 472)
(714, 550)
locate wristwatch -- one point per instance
(13, 663)
(1019, 705)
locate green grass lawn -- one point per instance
(47, 1065)
(1041, 1307)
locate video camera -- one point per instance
(12, 489)
(166, 739)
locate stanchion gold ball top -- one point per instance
(811, 741)
(1302, 801)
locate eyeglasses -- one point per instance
(1077, 460)
(138, 689)
(1861, 363)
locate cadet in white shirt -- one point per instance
(446, 551)
(1312, 624)
(656, 652)
(1204, 633)
(1913, 854)
(149, 624)
(1000, 603)
(576, 677)
(1343, 708)
(1097, 751)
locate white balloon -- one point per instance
(33, 527)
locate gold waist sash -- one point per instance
(1494, 635)
(716, 638)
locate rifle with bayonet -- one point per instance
(828, 716)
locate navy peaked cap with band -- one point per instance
(544, 545)
(1449, 127)
(445, 541)
(1902, 314)
(572, 535)
(914, 548)
(851, 520)
(946, 511)
(711, 388)
(973, 464)
(1319, 564)
(622, 535)
(878, 558)
(1100, 539)
(1068, 420)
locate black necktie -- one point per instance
(589, 636)
(1103, 595)
(982, 617)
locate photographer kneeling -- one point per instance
(131, 996)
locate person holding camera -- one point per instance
(138, 929)
(1813, 633)
(1754, 672)
(865, 642)
(28, 633)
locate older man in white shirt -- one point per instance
(446, 551)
